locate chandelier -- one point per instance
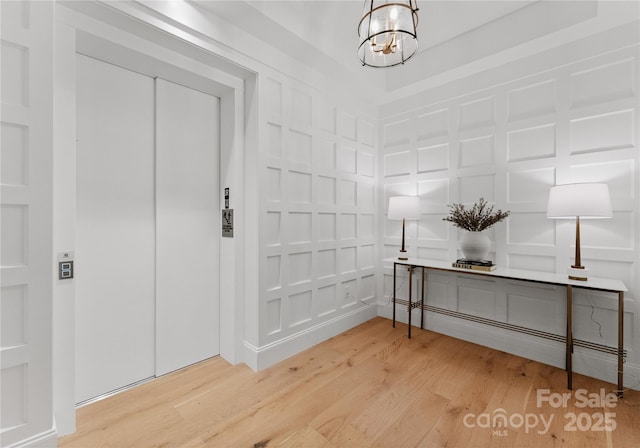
(387, 32)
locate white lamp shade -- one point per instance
(404, 207)
(586, 200)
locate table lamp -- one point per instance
(575, 201)
(404, 207)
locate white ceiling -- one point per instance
(452, 33)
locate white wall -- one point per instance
(26, 412)
(318, 246)
(508, 135)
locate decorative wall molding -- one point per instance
(510, 142)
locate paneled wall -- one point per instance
(509, 142)
(25, 219)
(318, 251)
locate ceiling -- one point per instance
(453, 34)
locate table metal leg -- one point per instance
(620, 343)
(393, 295)
(569, 337)
(409, 304)
(422, 302)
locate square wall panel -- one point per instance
(274, 188)
(299, 308)
(434, 194)
(15, 74)
(605, 83)
(433, 124)
(273, 100)
(349, 293)
(300, 110)
(348, 226)
(365, 226)
(324, 115)
(348, 159)
(326, 191)
(299, 268)
(532, 100)
(13, 383)
(327, 263)
(347, 126)
(531, 229)
(366, 133)
(274, 316)
(299, 187)
(397, 164)
(530, 185)
(365, 256)
(433, 158)
(274, 270)
(477, 151)
(531, 143)
(326, 228)
(14, 154)
(367, 287)
(619, 175)
(615, 233)
(348, 193)
(348, 260)
(476, 300)
(326, 300)
(299, 228)
(324, 153)
(299, 147)
(432, 227)
(366, 164)
(532, 312)
(13, 316)
(603, 132)
(274, 140)
(477, 113)
(14, 228)
(397, 132)
(273, 229)
(366, 192)
(473, 188)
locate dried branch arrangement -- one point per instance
(480, 217)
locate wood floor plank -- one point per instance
(370, 386)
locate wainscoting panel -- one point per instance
(510, 143)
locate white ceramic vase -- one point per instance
(475, 245)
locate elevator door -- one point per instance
(147, 241)
(188, 226)
(115, 228)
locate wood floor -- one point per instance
(368, 387)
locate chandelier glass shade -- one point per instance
(387, 32)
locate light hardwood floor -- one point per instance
(368, 387)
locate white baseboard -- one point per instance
(259, 358)
(586, 362)
(47, 439)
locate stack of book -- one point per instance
(484, 265)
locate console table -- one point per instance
(596, 284)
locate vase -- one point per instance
(475, 245)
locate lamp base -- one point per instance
(403, 255)
(578, 273)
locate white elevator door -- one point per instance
(188, 226)
(147, 237)
(115, 236)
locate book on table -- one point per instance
(484, 265)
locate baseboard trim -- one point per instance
(259, 358)
(47, 439)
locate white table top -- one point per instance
(603, 284)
